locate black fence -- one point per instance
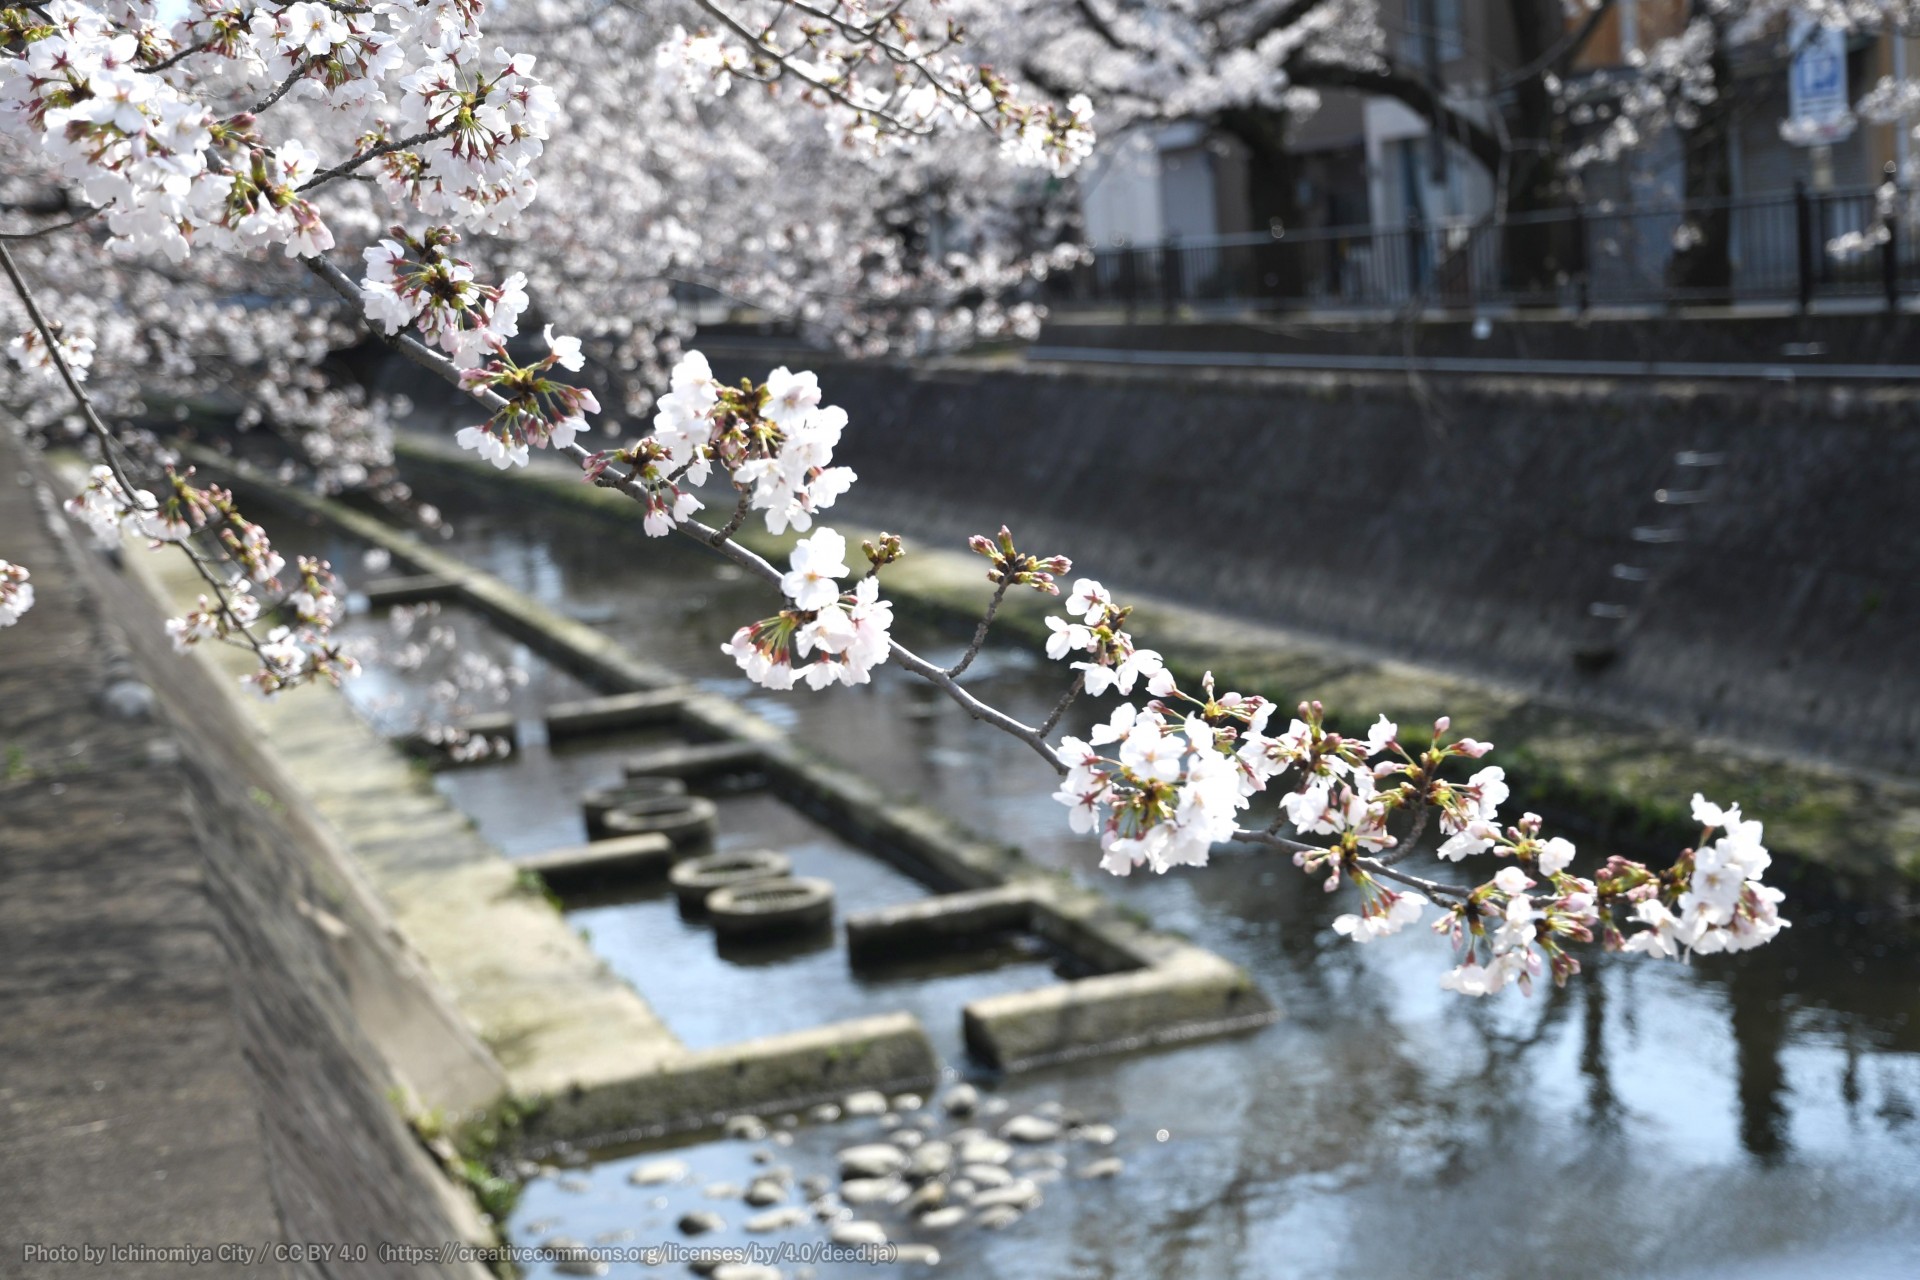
(1795, 247)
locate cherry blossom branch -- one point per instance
(1375, 866)
(294, 77)
(74, 221)
(346, 167)
(109, 443)
(718, 539)
(789, 67)
(175, 59)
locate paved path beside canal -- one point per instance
(130, 1114)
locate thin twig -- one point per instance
(346, 167)
(1411, 841)
(298, 73)
(176, 58)
(74, 221)
(980, 632)
(1066, 700)
(739, 517)
(1372, 866)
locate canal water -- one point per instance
(1749, 1115)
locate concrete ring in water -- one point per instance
(596, 804)
(688, 821)
(763, 906)
(695, 878)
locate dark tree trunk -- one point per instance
(1272, 175)
(1703, 269)
(1541, 253)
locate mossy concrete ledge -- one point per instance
(418, 588)
(604, 864)
(1176, 991)
(1187, 995)
(638, 710)
(944, 920)
(1139, 996)
(773, 1074)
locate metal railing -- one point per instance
(1776, 248)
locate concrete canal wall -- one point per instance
(213, 1030)
(1468, 525)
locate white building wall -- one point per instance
(1120, 192)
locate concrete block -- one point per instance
(384, 593)
(614, 713)
(789, 1072)
(605, 864)
(937, 922)
(699, 761)
(492, 724)
(1192, 996)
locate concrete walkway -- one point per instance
(130, 1115)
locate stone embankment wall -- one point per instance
(1465, 525)
(193, 943)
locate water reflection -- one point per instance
(1750, 1115)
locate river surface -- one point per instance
(1743, 1116)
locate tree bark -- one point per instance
(1705, 268)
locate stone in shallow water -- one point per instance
(943, 1219)
(889, 1190)
(867, 1102)
(825, 1113)
(1039, 1160)
(1106, 1168)
(816, 1185)
(1021, 1193)
(700, 1222)
(986, 1175)
(655, 1173)
(1030, 1129)
(961, 1100)
(566, 1263)
(1100, 1135)
(872, 1160)
(579, 1267)
(930, 1159)
(997, 1216)
(858, 1231)
(916, 1254)
(765, 1191)
(931, 1196)
(777, 1219)
(908, 1102)
(985, 1151)
(749, 1128)
(747, 1271)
